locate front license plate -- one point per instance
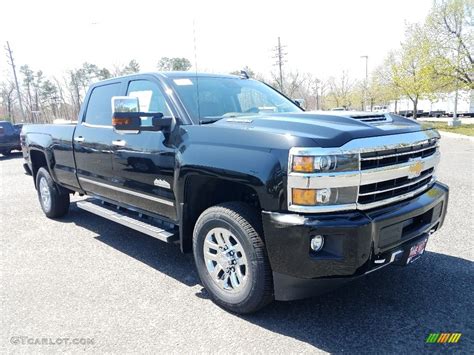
(417, 250)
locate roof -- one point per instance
(168, 75)
(181, 74)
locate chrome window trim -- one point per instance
(361, 177)
(91, 125)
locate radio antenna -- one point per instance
(196, 70)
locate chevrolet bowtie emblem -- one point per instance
(415, 170)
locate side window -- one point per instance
(99, 108)
(150, 97)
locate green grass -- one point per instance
(466, 129)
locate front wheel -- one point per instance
(53, 198)
(231, 258)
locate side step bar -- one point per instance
(128, 219)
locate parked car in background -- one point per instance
(9, 138)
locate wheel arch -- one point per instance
(201, 192)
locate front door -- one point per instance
(92, 142)
(144, 163)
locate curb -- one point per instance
(456, 135)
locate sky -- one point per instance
(322, 37)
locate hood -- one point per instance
(325, 128)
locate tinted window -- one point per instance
(151, 98)
(99, 108)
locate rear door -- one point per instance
(92, 142)
(143, 163)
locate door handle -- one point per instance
(119, 143)
(79, 139)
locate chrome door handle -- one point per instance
(119, 143)
(79, 139)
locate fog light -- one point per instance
(317, 242)
(323, 195)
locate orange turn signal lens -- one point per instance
(121, 121)
(303, 197)
(303, 164)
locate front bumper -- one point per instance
(355, 242)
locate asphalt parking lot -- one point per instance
(118, 291)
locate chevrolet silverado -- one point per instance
(274, 202)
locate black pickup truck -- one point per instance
(274, 202)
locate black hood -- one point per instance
(325, 129)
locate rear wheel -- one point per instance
(53, 198)
(231, 257)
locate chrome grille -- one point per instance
(377, 159)
(391, 188)
(392, 168)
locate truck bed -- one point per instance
(57, 139)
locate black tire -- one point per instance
(244, 224)
(59, 197)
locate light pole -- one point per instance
(366, 57)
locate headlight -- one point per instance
(324, 196)
(325, 163)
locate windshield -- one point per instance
(229, 97)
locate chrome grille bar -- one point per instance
(368, 206)
(410, 183)
(399, 154)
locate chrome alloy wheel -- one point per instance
(225, 259)
(45, 194)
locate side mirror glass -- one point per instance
(126, 114)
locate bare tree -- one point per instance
(12, 64)
(7, 90)
(340, 91)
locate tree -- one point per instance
(412, 70)
(339, 94)
(381, 88)
(7, 95)
(131, 68)
(28, 79)
(449, 30)
(49, 97)
(169, 64)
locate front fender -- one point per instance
(263, 170)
